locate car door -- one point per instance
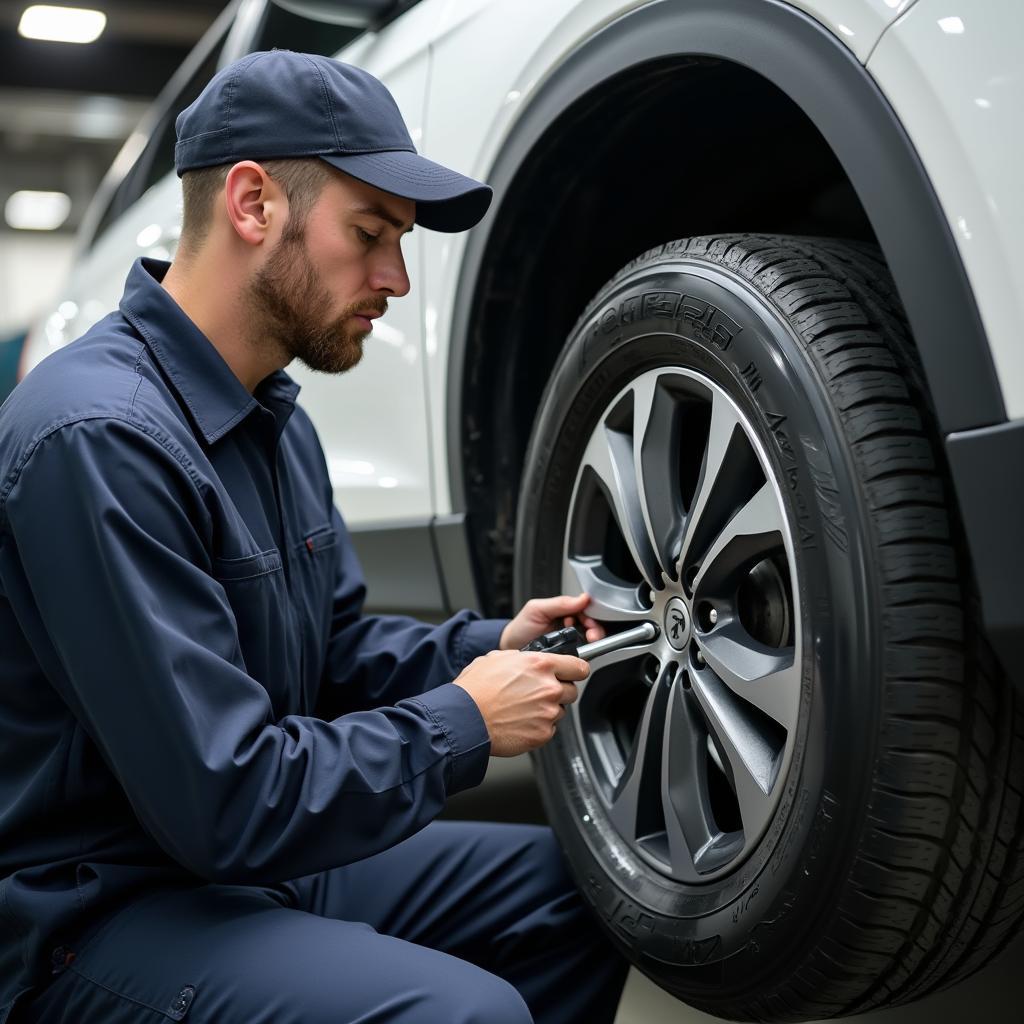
(372, 421)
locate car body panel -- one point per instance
(372, 421)
(954, 76)
(489, 63)
(858, 23)
(510, 59)
(463, 73)
(375, 437)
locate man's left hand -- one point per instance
(543, 614)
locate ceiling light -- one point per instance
(61, 24)
(37, 211)
(148, 236)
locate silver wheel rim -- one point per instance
(675, 518)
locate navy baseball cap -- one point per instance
(281, 104)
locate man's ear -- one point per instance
(255, 204)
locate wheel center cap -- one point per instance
(677, 624)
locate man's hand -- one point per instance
(522, 695)
(543, 614)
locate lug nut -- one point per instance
(700, 657)
(713, 616)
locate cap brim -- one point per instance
(445, 200)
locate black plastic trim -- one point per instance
(400, 565)
(826, 81)
(417, 566)
(988, 467)
(454, 562)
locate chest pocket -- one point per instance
(313, 559)
(258, 595)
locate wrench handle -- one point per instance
(558, 641)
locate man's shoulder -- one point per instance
(95, 378)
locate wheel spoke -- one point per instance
(756, 528)
(687, 827)
(751, 756)
(610, 601)
(609, 456)
(637, 789)
(724, 423)
(763, 676)
(656, 464)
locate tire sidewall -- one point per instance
(695, 313)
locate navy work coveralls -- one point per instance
(215, 772)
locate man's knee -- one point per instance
(443, 990)
(486, 999)
(546, 859)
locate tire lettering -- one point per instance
(775, 422)
(791, 477)
(741, 906)
(708, 322)
(623, 914)
(609, 320)
(629, 311)
(660, 305)
(693, 952)
(784, 907)
(827, 493)
(752, 377)
(798, 817)
(701, 318)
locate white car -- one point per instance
(738, 351)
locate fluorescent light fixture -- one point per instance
(952, 26)
(61, 24)
(37, 211)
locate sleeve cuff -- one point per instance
(478, 637)
(455, 713)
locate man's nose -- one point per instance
(391, 276)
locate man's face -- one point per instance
(344, 261)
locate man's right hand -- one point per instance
(522, 695)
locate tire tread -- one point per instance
(936, 887)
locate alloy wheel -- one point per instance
(676, 518)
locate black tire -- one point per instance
(890, 865)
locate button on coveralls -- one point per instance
(217, 777)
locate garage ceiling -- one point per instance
(65, 109)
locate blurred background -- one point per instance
(67, 107)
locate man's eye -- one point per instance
(365, 236)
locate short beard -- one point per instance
(289, 308)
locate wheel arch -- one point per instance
(696, 96)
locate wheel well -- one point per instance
(671, 149)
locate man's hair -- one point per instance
(301, 179)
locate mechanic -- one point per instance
(217, 777)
